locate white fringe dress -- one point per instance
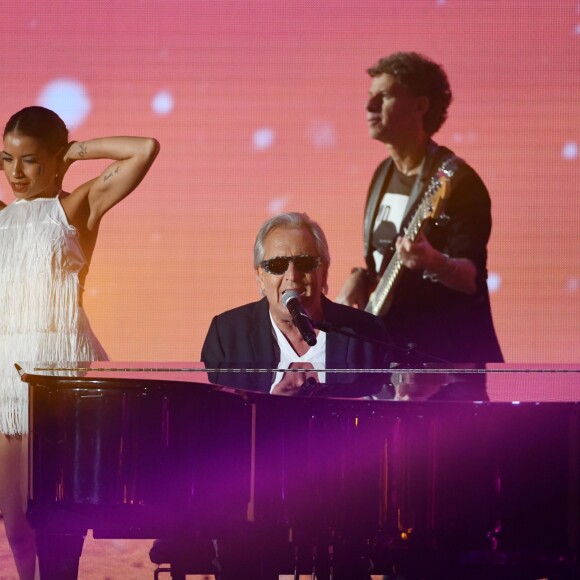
(40, 316)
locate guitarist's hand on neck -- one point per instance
(455, 273)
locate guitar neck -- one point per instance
(430, 207)
(379, 301)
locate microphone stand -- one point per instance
(462, 390)
(409, 352)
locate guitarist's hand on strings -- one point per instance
(455, 273)
(419, 255)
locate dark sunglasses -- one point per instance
(304, 264)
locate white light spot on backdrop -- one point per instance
(466, 138)
(277, 205)
(67, 98)
(322, 135)
(573, 285)
(162, 103)
(570, 151)
(577, 29)
(493, 282)
(263, 138)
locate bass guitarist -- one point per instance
(438, 308)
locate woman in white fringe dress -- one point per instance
(47, 238)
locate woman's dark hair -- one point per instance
(42, 124)
(424, 78)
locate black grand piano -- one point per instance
(425, 473)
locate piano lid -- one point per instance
(512, 383)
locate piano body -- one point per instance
(429, 473)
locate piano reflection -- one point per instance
(426, 473)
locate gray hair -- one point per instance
(292, 220)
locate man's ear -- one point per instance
(423, 105)
(260, 282)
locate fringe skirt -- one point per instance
(75, 345)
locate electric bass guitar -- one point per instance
(431, 207)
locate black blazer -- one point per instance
(243, 338)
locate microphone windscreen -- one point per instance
(289, 295)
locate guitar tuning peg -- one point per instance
(442, 220)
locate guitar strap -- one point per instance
(437, 156)
(434, 154)
(382, 174)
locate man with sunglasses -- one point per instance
(441, 302)
(291, 254)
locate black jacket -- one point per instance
(441, 322)
(242, 338)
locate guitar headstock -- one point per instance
(437, 195)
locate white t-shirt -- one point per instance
(390, 215)
(315, 355)
(388, 222)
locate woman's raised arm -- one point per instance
(133, 156)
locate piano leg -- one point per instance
(318, 563)
(59, 555)
(240, 560)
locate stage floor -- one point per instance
(107, 560)
(101, 560)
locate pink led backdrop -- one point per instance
(259, 107)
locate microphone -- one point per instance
(300, 316)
